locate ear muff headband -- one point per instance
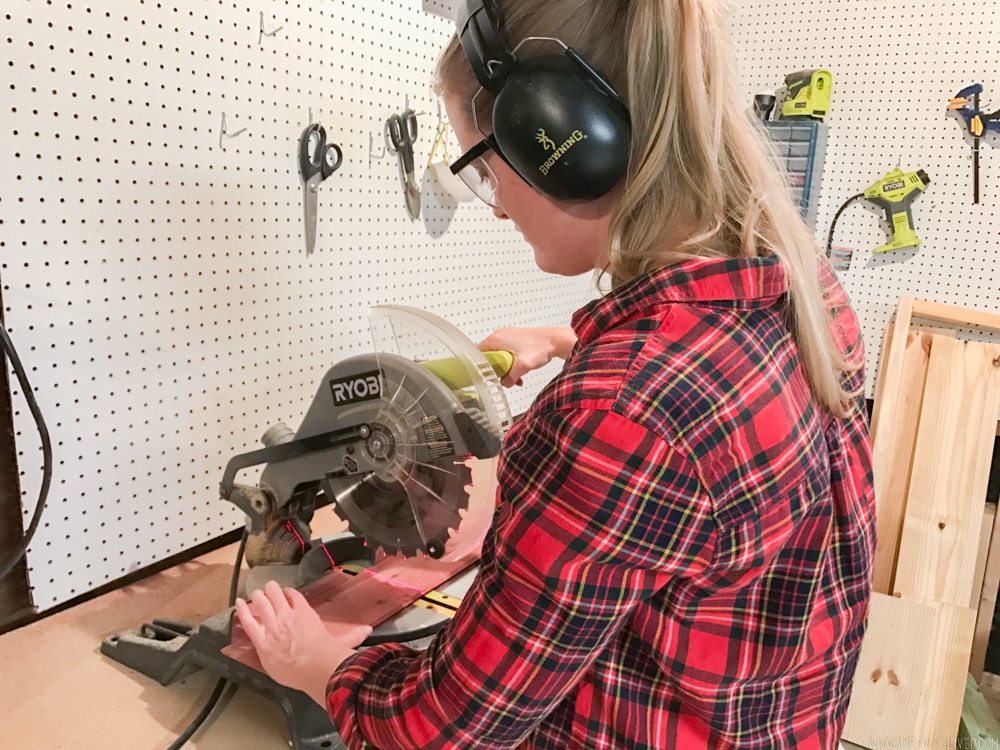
(479, 32)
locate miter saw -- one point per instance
(387, 440)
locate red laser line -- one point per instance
(394, 581)
(288, 525)
(387, 579)
(328, 556)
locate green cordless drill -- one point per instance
(894, 193)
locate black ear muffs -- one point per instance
(561, 133)
(556, 121)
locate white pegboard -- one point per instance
(443, 8)
(895, 65)
(157, 285)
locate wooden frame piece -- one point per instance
(957, 316)
(896, 450)
(893, 418)
(951, 467)
(911, 674)
(986, 600)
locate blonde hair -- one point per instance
(697, 159)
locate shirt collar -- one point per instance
(729, 282)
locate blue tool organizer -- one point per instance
(801, 145)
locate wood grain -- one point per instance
(983, 553)
(951, 464)
(895, 454)
(958, 316)
(986, 599)
(911, 674)
(346, 601)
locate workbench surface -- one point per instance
(58, 691)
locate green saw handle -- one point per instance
(452, 371)
(502, 361)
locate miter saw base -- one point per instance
(168, 651)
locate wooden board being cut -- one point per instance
(951, 464)
(345, 601)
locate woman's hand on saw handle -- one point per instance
(531, 348)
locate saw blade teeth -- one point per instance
(385, 511)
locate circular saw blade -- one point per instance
(412, 501)
(416, 512)
(439, 402)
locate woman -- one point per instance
(680, 554)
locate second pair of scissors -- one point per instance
(400, 135)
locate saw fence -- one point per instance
(937, 564)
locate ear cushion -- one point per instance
(560, 131)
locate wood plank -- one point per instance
(987, 601)
(989, 686)
(911, 673)
(892, 470)
(949, 332)
(890, 370)
(951, 465)
(959, 316)
(978, 728)
(344, 601)
(983, 553)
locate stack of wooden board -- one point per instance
(937, 563)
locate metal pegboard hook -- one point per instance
(262, 34)
(371, 150)
(418, 114)
(224, 132)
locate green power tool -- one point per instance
(807, 95)
(895, 192)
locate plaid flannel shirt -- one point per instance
(681, 551)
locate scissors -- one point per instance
(317, 161)
(400, 135)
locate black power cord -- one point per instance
(836, 216)
(206, 711)
(223, 683)
(43, 432)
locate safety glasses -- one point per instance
(472, 169)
